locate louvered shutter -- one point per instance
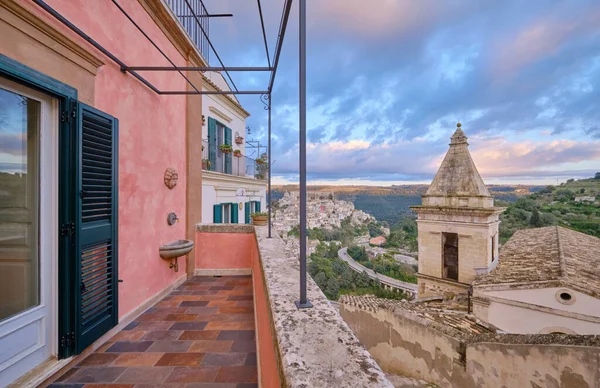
(257, 207)
(228, 161)
(247, 212)
(217, 214)
(234, 213)
(96, 225)
(212, 143)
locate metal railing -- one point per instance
(190, 18)
(240, 165)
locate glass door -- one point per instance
(28, 240)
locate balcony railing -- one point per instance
(193, 17)
(240, 165)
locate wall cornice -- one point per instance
(48, 34)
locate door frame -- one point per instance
(66, 96)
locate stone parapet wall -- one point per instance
(316, 347)
(405, 343)
(438, 287)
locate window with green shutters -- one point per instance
(228, 161)
(234, 213)
(212, 143)
(257, 206)
(217, 214)
(247, 212)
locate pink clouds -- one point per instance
(499, 157)
(543, 38)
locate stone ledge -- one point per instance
(224, 228)
(316, 346)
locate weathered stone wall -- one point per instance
(438, 287)
(406, 344)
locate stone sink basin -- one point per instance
(175, 249)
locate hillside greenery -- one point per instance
(345, 234)
(335, 277)
(555, 205)
(384, 264)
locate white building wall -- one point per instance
(220, 188)
(532, 320)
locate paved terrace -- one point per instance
(202, 332)
(223, 331)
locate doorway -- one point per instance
(450, 256)
(28, 229)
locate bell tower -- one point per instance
(457, 225)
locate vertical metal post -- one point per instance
(303, 302)
(269, 164)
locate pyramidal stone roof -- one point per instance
(458, 176)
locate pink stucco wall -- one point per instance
(225, 250)
(152, 133)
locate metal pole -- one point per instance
(269, 164)
(303, 302)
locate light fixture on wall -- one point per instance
(203, 120)
(249, 130)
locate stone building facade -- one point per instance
(457, 225)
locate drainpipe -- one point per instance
(303, 302)
(270, 166)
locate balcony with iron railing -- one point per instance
(194, 18)
(234, 163)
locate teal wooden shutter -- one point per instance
(234, 213)
(228, 161)
(247, 212)
(257, 207)
(96, 309)
(212, 143)
(217, 214)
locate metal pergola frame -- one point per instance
(265, 94)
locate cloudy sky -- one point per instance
(389, 79)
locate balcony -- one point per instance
(213, 159)
(233, 324)
(194, 18)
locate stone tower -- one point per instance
(458, 225)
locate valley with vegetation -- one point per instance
(574, 204)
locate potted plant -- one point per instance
(226, 148)
(260, 219)
(239, 140)
(260, 161)
(205, 164)
(237, 153)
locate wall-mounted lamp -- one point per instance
(203, 120)
(249, 130)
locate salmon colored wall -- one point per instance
(268, 360)
(152, 133)
(237, 251)
(224, 250)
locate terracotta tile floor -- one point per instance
(199, 336)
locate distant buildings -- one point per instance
(323, 211)
(377, 241)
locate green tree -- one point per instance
(597, 176)
(347, 280)
(363, 279)
(332, 289)
(582, 190)
(321, 280)
(535, 220)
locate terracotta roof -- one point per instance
(457, 175)
(549, 254)
(440, 317)
(377, 240)
(230, 98)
